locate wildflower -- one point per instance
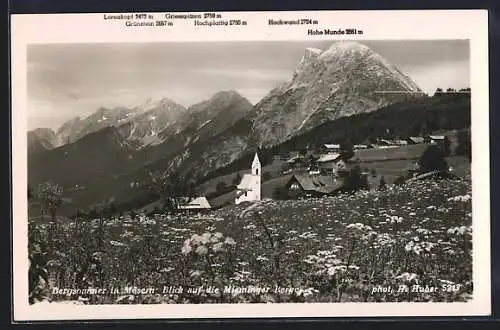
(186, 248)
(407, 277)
(459, 230)
(448, 282)
(336, 269)
(463, 199)
(358, 226)
(417, 249)
(423, 231)
(196, 239)
(395, 219)
(116, 243)
(409, 246)
(218, 247)
(427, 246)
(310, 259)
(307, 292)
(323, 253)
(166, 270)
(201, 250)
(205, 238)
(230, 241)
(195, 273)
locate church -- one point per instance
(249, 188)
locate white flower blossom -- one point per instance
(230, 241)
(201, 250)
(186, 248)
(408, 277)
(218, 247)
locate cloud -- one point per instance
(75, 79)
(442, 74)
(250, 74)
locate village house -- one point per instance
(415, 140)
(435, 139)
(400, 143)
(328, 163)
(384, 143)
(302, 186)
(314, 171)
(360, 146)
(198, 203)
(249, 189)
(330, 148)
(293, 157)
(185, 203)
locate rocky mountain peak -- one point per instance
(310, 56)
(343, 48)
(164, 103)
(226, 96)
(345, 79)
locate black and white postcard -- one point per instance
(250, 164)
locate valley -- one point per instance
(332, 95)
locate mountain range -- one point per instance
(346, 79)
(108, 149)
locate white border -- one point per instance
(377, 25)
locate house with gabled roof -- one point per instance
(360, 146)
(330, 148)
(198, 203)
(434, 138)
(415, 140)
(328, 163)
(312, 185)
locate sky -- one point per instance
(69, 80)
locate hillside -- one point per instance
(389, 163)
(100, 154)
(422, 230)
(416, 117)
(41, 139)
(219, 136)
(106, 163)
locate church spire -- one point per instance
(256, 165)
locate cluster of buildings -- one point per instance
(327, 159)
(316, 173)
(322, 172)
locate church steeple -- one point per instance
(256, 167)
(249, 189)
